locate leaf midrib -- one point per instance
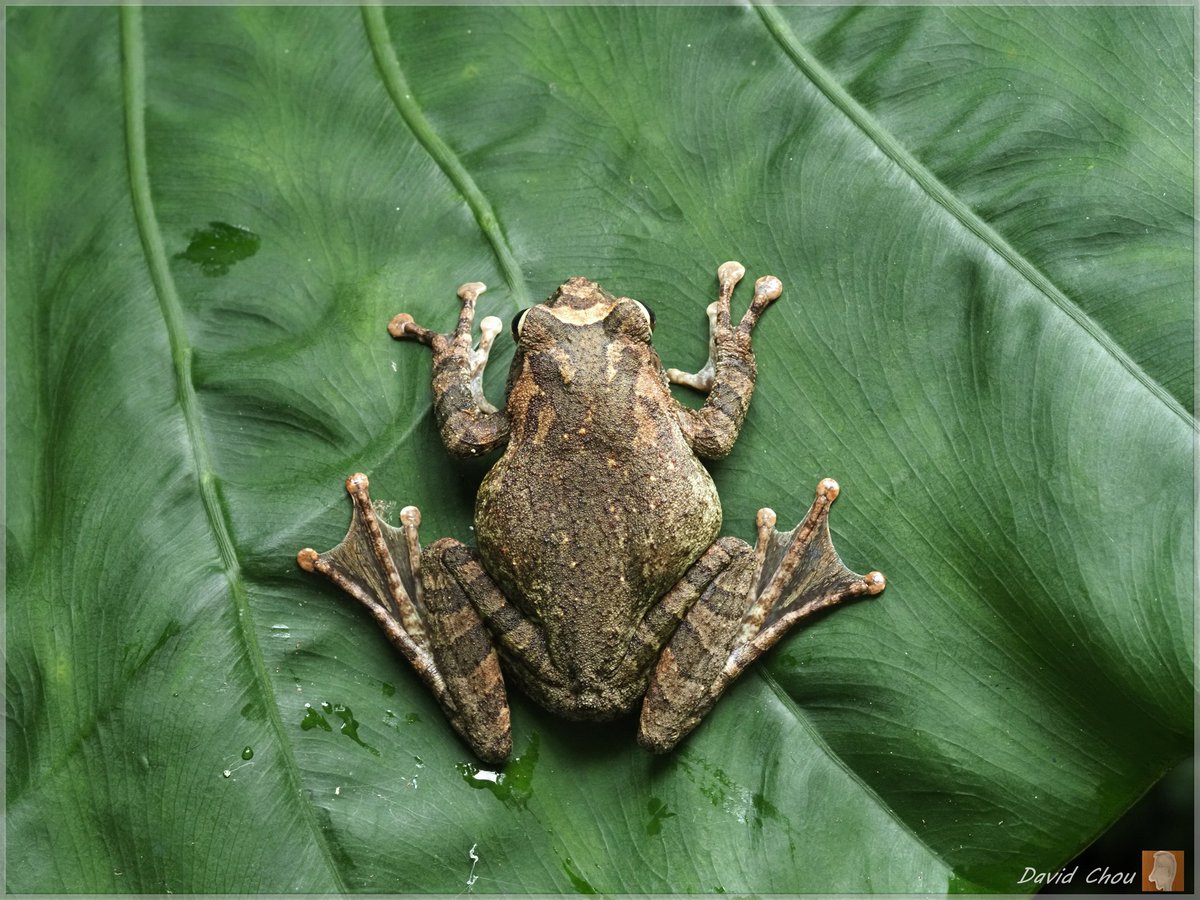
(805, 60)
(133, 83)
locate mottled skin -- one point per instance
(596, 576)
(590, 410)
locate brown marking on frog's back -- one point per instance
(591, 421)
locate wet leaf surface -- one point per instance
(984, 233)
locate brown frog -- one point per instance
(598, 578)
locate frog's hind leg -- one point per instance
(426, 616)
(718, 583)
(787, 577)
(466, 656)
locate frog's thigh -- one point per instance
(662, 620)
(523, 643)
(685, 683)
(464, 654)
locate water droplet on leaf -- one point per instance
(215, 248)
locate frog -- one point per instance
(598, 581)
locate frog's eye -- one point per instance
(517, 322)
(648, 311)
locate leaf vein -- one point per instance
(133, 78)
(447, 160)
(801, 716)
(887, 143)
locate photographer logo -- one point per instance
(1162, 870)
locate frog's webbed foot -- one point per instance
(469, 424)
(424, 614)
(787, 578)
(721, 330)
(799, 573)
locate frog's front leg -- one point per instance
(728, 375)
(416, 599)
(468, 423)
(787, 577)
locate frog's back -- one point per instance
(598, 505)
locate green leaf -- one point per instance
(212, 214)
(1067, 133)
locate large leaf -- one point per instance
(212, 213)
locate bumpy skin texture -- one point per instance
(599, 505)
(596, 577)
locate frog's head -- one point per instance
(579, 302)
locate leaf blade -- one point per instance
(985, 499)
